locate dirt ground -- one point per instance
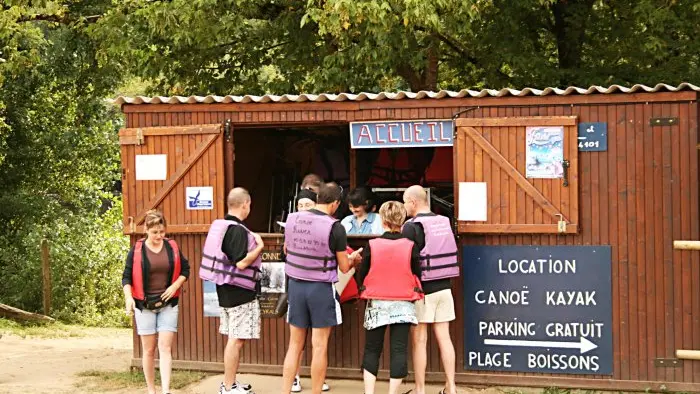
(42, 365)
(49, 365)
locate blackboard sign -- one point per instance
(593, 137)
(538, 309)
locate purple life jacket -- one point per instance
(439, 255)
(309, 256)
(216, 266)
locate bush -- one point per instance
(87, 254)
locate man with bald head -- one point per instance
(237, 250)
(433, 235)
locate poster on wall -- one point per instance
(545, 152)
(272, 283)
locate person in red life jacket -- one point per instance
(389, 275)
(438, 254)
(153, 275)
(231, 259)
(315, 246)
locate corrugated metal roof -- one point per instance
(300, 98)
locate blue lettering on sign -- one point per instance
(538, 309)
(401, 134)
(593, 137)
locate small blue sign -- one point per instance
(200, 197)
(538, 309)
(593, 137)
(401, 134)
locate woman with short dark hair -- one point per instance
(363, 220)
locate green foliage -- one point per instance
(59, 161)
(290, 46)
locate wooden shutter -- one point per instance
(493, 150)
(195, 158)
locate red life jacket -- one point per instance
(351, 291)
(137, 290)
(390, 276)
(440, 169)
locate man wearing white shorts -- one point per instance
(240, 310)
(437, 308)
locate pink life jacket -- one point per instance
(439, 255)
(216, 266)
(309, 256)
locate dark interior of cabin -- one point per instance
(271, 162)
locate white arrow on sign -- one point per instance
(584, 345)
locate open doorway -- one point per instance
(271, 162)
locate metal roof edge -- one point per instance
(404, 95)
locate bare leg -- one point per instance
(232, 357)
(148, 343)
(319, 360)
(420, 355)
(370, 380)
(447, 354)
(394, 385)
(297, 336)
(165, 355)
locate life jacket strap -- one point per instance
(428, 267)
(325, 260)
(255, 276)
(215, 259)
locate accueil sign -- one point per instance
(401, 134)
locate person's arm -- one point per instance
(129, 302)
(339, 243)
(415, 261)
(253, 254)
(364, 266)
(175, 286)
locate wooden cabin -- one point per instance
(565, 202)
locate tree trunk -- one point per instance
(427, 78)
(570, 21)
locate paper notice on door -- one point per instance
(472, 201)
(151, 167)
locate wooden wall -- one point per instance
(638, 196)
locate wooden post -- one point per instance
(46, 275)
(688, 354)
(687, 245)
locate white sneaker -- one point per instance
(244, 386)
(238, 389)
(296, 386)
(325, 387)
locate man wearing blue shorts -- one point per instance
(315, 244)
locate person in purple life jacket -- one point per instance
(231, 259)
(433, 235)
(315, 247)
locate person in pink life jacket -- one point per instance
(438, 254)
(315, 246)
(231, 259)
(306, 199)
(389, 275)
